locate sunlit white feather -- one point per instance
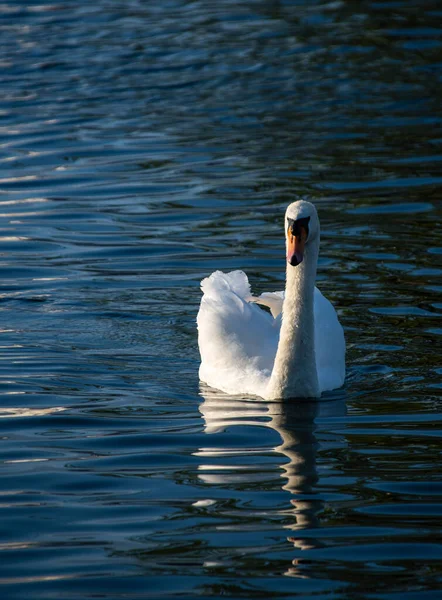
(238, 340)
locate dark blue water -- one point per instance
(142, 146)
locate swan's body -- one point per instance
(296, 351)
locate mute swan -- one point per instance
(297, 351)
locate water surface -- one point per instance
(142, 146)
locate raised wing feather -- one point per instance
(273, 300)
(237, 340)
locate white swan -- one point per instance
(296, 351)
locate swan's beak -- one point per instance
(295, 247)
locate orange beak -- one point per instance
(295, 247)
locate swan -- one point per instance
(295, 351)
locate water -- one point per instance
(144, 145)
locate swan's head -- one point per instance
(301, 228)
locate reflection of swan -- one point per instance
(295, 424)
(245, 350)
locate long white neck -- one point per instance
(294, 372)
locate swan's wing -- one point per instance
(329, 336)
(219, 282)
(329, 344)
(273, 300)
(237, 340)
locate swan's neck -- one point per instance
(294, 372)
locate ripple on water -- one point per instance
(143, 147)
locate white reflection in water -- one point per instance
(22, 201)
(6, 413)
(295, 424)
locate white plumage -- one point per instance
(239, 341)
